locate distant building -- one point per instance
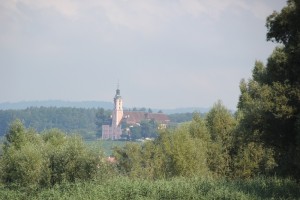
(114, 131)
(135, 117)
(131, 118)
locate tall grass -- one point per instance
(177, 188)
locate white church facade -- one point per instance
(114, 131)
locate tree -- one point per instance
(102, 118)
(149, 129)
(86, 122)
(253, 159)
(270, 101)
(179, 152)
(221, 125)
(284, 28)
(22, 163)
(181, 117)
(37, 160)
(198, 128)
(16, 135)
(184, 154)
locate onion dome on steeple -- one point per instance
(118, 95)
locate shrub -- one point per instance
(33, 160)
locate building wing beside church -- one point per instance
(134, 117)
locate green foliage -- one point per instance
(253, 159)
(16, 135)
(86, 122)
(259, 72)
(149, 128)
(269, 102)
(23, 166)
(35, 160)
(181, 117)
(176, 188)
(283, 27)
(102, 118)
(22, 162)
(106, 146)
(185, 155)
(136, 132)
(68, 158)
(198, 129)
(221, 125)
(180, 152)
(146, 129)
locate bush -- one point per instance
(38, 160)
(173, 153)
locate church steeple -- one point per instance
(118, 110)
(114, 131)
(118, 93)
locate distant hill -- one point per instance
(83, 117)
(87, 104)
(184, 110)
(56, 103)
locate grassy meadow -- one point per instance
(176, 188)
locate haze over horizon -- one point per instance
(165, 54)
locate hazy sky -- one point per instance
(165, 53)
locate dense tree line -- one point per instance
(181, 117)
(86, 122)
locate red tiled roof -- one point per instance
(159, 117)
(133, 117)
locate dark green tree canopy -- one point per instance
(270, 102)
(284, 28)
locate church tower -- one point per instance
(118, 109)
(114, 131)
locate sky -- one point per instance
(162, 53)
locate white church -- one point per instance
(131, 118)
(114, 131)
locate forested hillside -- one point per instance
(86, 122)
(55, 103)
